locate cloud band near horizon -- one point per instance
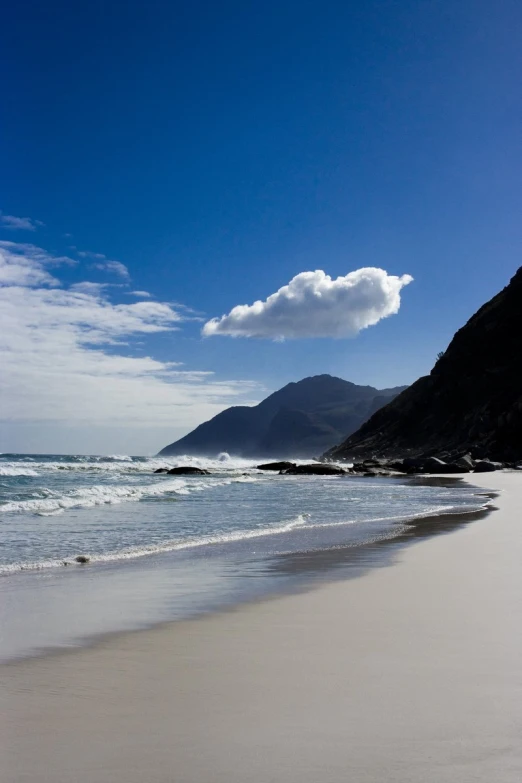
(72, 357)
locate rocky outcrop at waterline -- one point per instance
(188, 470)
(415, 466)
(276, 466)
(316, 469)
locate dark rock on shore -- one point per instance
(470, 403)
(379, 473)
(485, 466)
(372, 468)
(162, 470)
(188, 471)
(463, 463)
(82, 559)
(315, 470)
(412, 466)
(436, 465)
(276, 466)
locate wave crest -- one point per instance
(15, 470)
(98, 495)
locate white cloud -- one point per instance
(113, 266)
(25, 264)
(88, 254)
(103, 263)
(26, 252)
(22, 270)
(86, 287)
(315, 305)
(19, 223)
(63, 362)
(141, 294)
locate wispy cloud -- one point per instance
(103, 263)
(113, 266)
(19, 223)
(315, 305)
(140, 294)
(20, 270)
(26, 264)
(86, 287)
(88, 254)
(62, 357)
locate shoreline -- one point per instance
(144, 551)
(278, 575)
(382, 553)
(410, 672)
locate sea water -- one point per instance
(163, 547)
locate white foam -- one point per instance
(97, 495)
(298, 522)
(124, 464)
(15, 470)
(131, 553)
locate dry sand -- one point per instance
(410, 673)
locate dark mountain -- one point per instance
(471, 401)
(302, 419)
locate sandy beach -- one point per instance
(411, 672)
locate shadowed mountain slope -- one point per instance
(471, 401)
(300, 420)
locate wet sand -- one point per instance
(412, 672)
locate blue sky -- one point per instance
(217, 150)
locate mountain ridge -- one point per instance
(470, 402)
(301, 419)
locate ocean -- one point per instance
(169, 547)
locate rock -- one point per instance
(82, 559)
(465, 462)
(429, 465)
(397, 465)
(485, 466)
(315, 470)
(188, 471)
(369, 464)
(276, 466)
(162, 470)
(380, 467)
(436, 465)
(413, 465)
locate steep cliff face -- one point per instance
(471, 401)
(300, 420)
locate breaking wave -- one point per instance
(51, 503)
(125, 464)
(16, 470)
